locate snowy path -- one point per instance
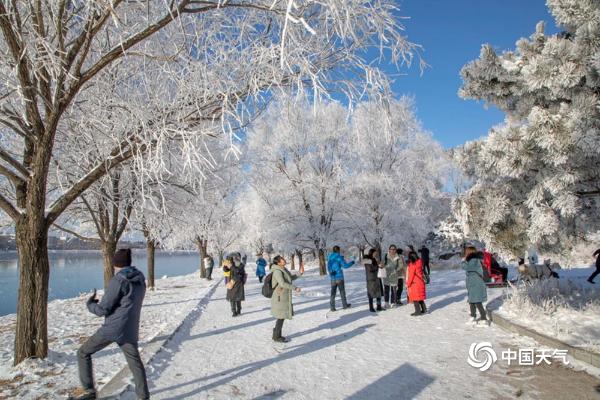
(348, 354)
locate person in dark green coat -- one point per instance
(281, 301)
(476, 288)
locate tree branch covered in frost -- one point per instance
(536, 177)
(297, 154)
(395, 191)
(71, 69)
(321, 175)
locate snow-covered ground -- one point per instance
(70, 324)
(350, 354)
(567, 308)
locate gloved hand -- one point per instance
(93, 298)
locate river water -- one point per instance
(74, 272)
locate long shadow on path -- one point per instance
(447, 301)
(230, 375)
(405, 382)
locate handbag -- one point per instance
(230, 284)
(381, 273)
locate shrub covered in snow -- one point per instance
(564, 308)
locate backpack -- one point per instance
(267, 290)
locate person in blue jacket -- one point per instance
(335, 267)
(261, 265)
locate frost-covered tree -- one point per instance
(535, 177)
(53, 52)
(210, 218)
(298, 155)
(395, 188)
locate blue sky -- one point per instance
(452, 33)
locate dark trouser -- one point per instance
(378, 300)
(236, 307)
(400, 288)
(595, 273)
(334, 286)
(426, 267)
(393, 294)
(386, 293)
(278, 328)
(420, 307)
(479, 307)
(130, 350)
(260, 278)
(209, 273)
(502, 271)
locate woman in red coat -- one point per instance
(416, 284)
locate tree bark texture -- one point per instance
(150, 252)
(31, 336)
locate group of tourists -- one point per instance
(387, 278)
(122, 302)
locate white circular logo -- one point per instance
(487, 353)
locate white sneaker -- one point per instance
(386, 305)
(471, 321)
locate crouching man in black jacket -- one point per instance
(121, 306)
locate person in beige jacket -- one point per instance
(281, 301)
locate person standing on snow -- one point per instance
(394, 266)
(597, 271)
(424, 251)
(235, 286)
(121, 307)
(415, 284)
(476, 288)
(335, 266)
(209, 264)
(371, 264)
(261, 266)
(281, 300)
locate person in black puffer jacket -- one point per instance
(121, 307)
(235, 293)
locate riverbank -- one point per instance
(70, 324)
(73, 272)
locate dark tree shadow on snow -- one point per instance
(334, 323)
(405, 382)
(447, 301)
(273, 395)
(228, 376)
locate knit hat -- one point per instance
(122, 258)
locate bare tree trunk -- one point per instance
(31, 336)
(150, 252)
(202, 244)
(221, 255)
(379, 249)
(108, 251)
(361, 252)
(292, 262)
(299, 254)
(322, 263)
